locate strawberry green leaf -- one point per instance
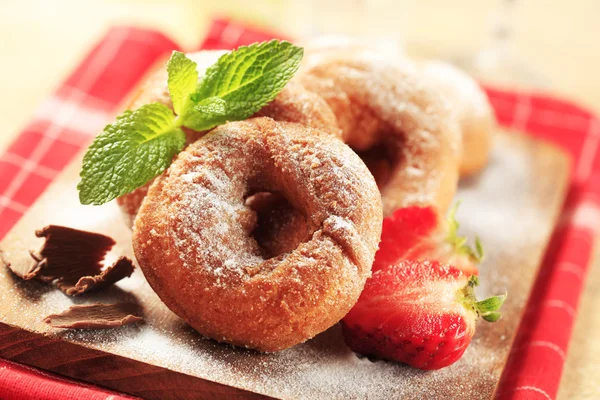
(246, 79)
(130, 152)
(487, 306)
(491, 317)
(182, 80)
(473, 281)
(486, 309)
(460, 243)
(480, 254)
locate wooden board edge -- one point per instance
(17, 345)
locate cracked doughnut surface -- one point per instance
(192, 236)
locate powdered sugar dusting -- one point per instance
(192, 221)
(325, 368)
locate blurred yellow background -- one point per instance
(42, 40)
(558, 39)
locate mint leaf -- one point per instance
(142, 143)
(212, 106)
(246, 79)
(182, 80)
(137, 147)
(207, 113)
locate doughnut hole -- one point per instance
(381, 159)
(279, 226)
(375, 142)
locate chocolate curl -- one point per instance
(73, 258)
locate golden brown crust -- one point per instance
(192, 234)
(262, 233)
(130, 203)
(296, 104)
(416, 114)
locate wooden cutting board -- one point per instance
(513, 206)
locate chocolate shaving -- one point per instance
(120, 269)
(69, 253)
(96, 316)
(74, 259)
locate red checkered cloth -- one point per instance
(89, 97)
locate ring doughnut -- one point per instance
(192, 236)
(466, 99)
(388, 114)
(293, 104)
(472, 110)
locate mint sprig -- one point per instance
(246, 79)
(141, 144)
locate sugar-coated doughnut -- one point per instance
(293, 104)
(465, 98)
(392, 117)
(192, 236)
(471, 107)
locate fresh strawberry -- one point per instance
(420, 313)
(407, 231)
(417, 233)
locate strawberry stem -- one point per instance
(486, 309)
(459, 243)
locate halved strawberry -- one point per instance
(417, 233)
(421, 313)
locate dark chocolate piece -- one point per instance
(73, 258)
(96, 316)
(69, 253)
